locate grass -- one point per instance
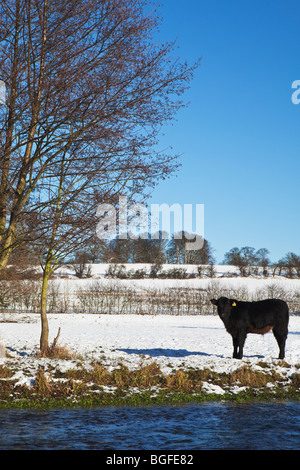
(96, 385)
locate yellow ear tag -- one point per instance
(234, 304)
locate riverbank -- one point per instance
(118, 360)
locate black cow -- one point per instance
(241, 318)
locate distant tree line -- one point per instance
(248, 261)
(150, 250)
(157, 252)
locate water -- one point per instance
(206, 426)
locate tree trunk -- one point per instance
(44, 341)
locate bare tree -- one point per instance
(291, 265)
(263, 259)
(239, 257)
(81, 76)
(178, 252)
(88, 90)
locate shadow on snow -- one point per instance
(156, 352)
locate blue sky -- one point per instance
(240, 135)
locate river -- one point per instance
(208, 426)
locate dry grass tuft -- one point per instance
(5, 373)
(42, 383)
(296, 380)
(55, 351)
(247, 377)
(180, 382)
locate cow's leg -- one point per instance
(241, 342)
(281, 339)
(235, 341)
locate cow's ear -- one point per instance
(214, 301)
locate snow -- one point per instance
(173, 341)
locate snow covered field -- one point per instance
(172, 341)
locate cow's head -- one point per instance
(224, 306)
